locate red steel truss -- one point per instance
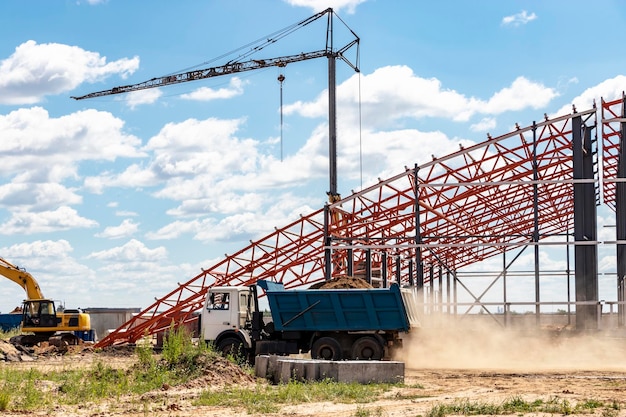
(509, 191)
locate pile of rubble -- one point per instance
(17, 353)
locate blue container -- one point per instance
(10, 322)
(372, 309)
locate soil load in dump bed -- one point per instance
(342, 282)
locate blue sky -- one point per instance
(111, 202)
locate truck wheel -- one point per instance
(232, 347)
(368, 348)
(326, 348)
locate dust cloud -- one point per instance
(458, 345)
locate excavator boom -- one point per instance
(21, 278)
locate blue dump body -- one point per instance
(336, 309)
(10, 321)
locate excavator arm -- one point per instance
(22, 278)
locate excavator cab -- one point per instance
(39, 313)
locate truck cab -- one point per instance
(227, 318)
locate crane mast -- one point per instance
(239, 65)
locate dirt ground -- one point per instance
(442, 367)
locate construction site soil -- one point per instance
(443, 367)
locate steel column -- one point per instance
(585, 224)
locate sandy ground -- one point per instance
(442, 368)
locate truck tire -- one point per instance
(326, 348)
(232, 347)
(367, 348)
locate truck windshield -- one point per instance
(218, 301)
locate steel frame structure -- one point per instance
(509, 192)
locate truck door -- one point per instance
(218, 314)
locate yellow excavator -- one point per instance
(41, 321)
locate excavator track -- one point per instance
(65, 339)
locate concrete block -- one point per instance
(272, 368)
(327, 370)
(260, 366)
(311, 371)
(280, 369)
(283, 371)
(366, 372)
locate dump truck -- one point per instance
(331, 324)
(41, 320)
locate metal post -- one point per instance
(569, 283)
(418, 233)
(620, 221)
(431, 288)
(327, 242)
(504, 298)
(455, 290)
(440, 288)
(585, 228)
(398, 269)
(536, 225)
(332, 118)
(383, 272)
(368, 265)
(449, 309)
(350, 267)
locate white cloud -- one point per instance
(63, 218)
(484, 125)
(609, 89)
(518, 19)
(189, 158)
(393, 93)
(17, 196)
(132, 251)
(39, 148)
(319, 5)
(522, 94)
(126, 229)
(41, 154)
(137, 98)
(235, 88)
(58, 274)
(34, 71)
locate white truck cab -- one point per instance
(226, 317)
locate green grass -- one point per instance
(180, 361)
(518, 405)
(270, 399)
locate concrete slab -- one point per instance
(280, 369)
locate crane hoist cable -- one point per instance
(281, 80)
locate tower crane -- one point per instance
(242, 64)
